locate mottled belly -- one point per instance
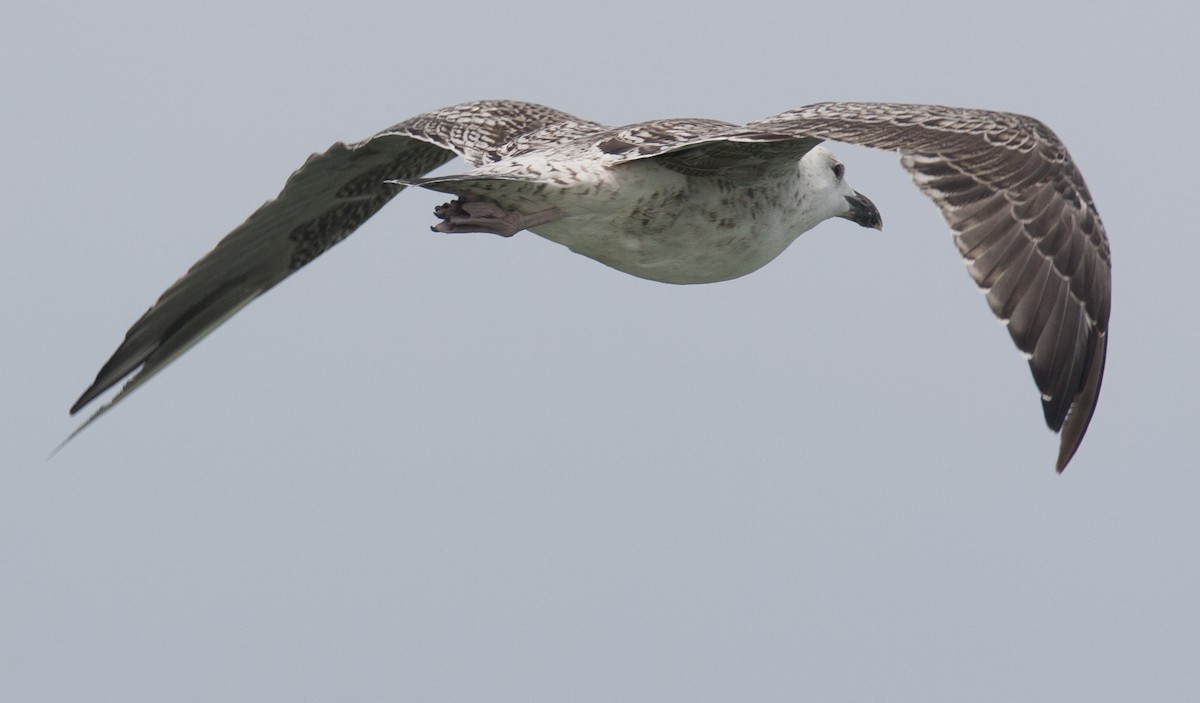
(687, 247)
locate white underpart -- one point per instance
(649, 221)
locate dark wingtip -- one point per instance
(94, 391)
(1080, 415)
(118, 366)
(84, 399)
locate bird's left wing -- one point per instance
(1024, 222)
(322, 203)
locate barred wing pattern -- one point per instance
(322, 203)
(1024, 222)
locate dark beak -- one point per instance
(863, 211)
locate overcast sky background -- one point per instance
(436, 467)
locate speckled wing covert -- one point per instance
(1024, 222)
(322, 203)
(705, 148)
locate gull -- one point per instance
(688, 201)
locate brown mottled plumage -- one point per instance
(690, 201)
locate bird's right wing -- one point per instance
(322, 203)
(1024, 222)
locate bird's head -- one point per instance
(828, 175)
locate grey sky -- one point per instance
(457, 467)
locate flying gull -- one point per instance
(690, 201)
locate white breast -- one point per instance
(653, 223)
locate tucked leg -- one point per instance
(479, 215)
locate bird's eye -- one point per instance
(839, 171)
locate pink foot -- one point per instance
(486, 216)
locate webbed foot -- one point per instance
(478, 215)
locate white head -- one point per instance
(824, 177)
